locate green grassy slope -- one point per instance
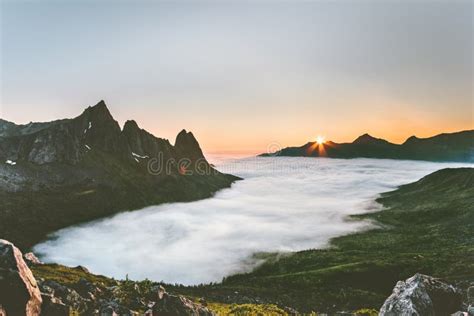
(428, 227)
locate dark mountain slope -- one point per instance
(444, 147)
(80, 169)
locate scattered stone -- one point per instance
(87, 289)
(114, 309)
(68, 296)
(422, 295)
(177, 305)
(19, 292)
(53, 306)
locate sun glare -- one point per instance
(320, 140)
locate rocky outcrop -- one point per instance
(19, 292)
(31, 258)
(167, 304)
(422, 295)
(186, 146)
(114, 309)
(144, 145)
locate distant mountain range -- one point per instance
(67, 171)
(443, 147)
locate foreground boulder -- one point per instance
(167, 304)
(422, 295)
(19, 292)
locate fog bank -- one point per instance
(284, 204)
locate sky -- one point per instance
(243, 76)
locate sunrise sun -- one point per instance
(320, 140)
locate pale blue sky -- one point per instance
(243, 74)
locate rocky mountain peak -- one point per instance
(186, 146)
(99, 113)
(130, 125)
(368, 139)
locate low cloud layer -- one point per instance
(284, 204)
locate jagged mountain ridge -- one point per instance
(457, 146)
(67, 141)
(65, 172)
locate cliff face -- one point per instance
(87, 167)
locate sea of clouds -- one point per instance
(284, 204)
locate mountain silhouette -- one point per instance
(443, 147)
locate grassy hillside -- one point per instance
(426, 226)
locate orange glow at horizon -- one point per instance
(320, 140)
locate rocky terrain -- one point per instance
(65, 172)
(444, 147)
(62, 291)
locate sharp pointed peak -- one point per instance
(131, 124)
(101, 103)
(184, 137)
(99, 110)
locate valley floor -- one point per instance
(425, 227)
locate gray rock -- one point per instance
(54, 306)
(177, 305)
(114, 309)
(19, 292)
(67, 296)
(87, 289)
(422, 295)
